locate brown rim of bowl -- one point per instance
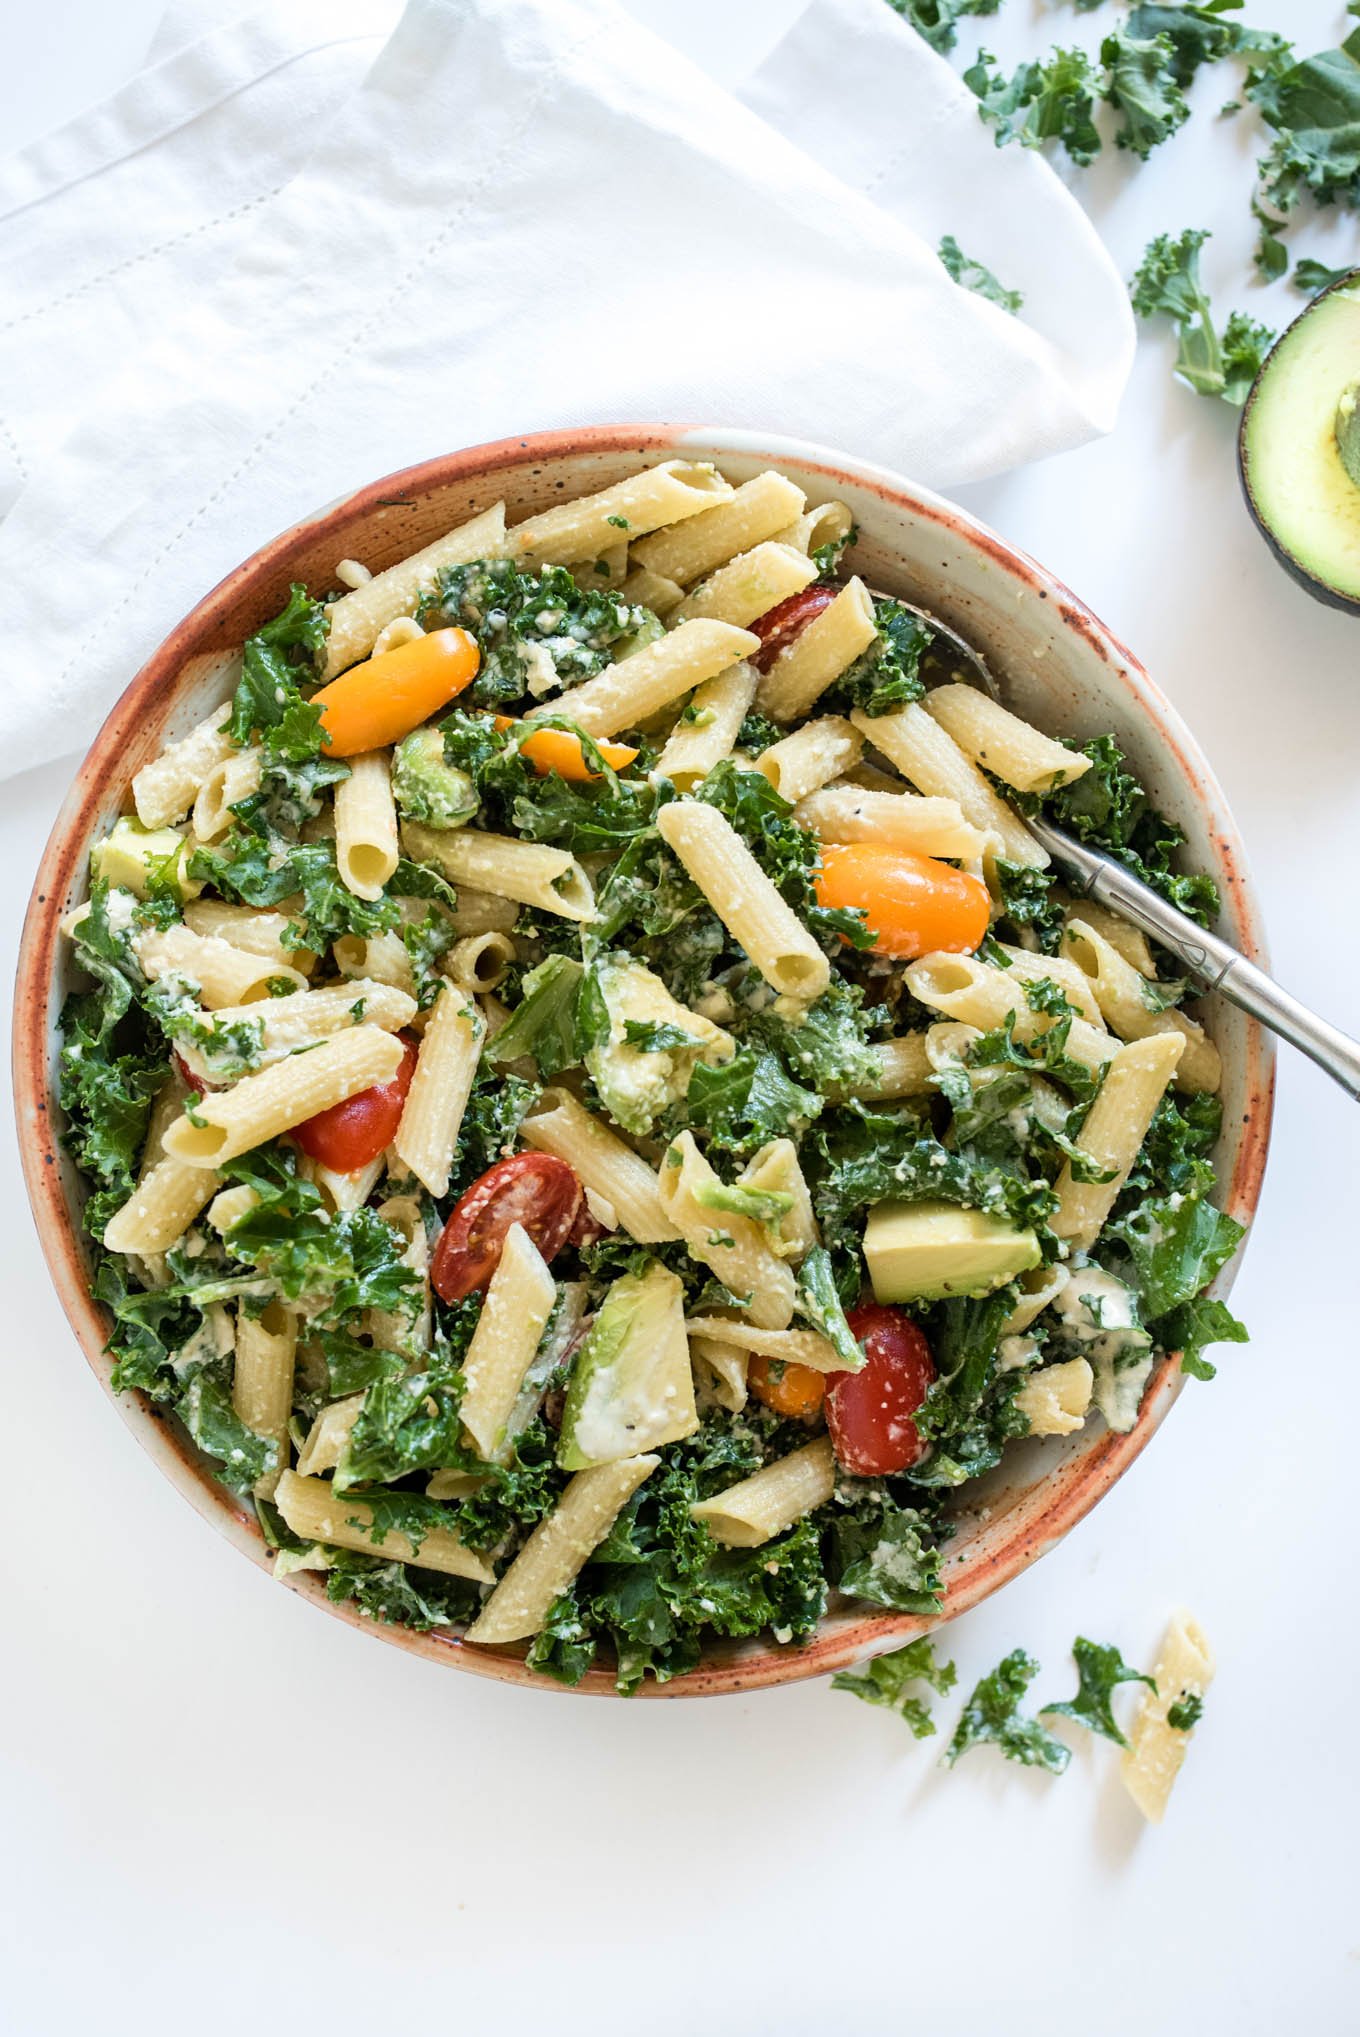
(1070, 1491)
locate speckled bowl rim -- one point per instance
(1075, 1485)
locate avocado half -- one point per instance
(1298, 450)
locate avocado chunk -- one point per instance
(428, 789)
(924, 1251)
(653, 1043)
(128, 854)
(1299, 449)
(631, 1387)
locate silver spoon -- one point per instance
(1211, 961)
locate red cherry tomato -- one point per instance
(912, 904)
(781, 626)
(533, 1189)
(188, 1077)
(869, 1413)
(350, 1134)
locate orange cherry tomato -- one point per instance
(788, 1389)
(555, 750)
(350, 1134)
(383, 699)
(913, 904)
(869, 1412)
(782, 626)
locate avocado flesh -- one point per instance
(130, 852)
(1300, 448)
(631, 1388)
(926, 1251)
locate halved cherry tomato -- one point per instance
(556, 750)
(788, 1389)
(913, 904)
(536, 1190)
(779, 627)
(383, 699)
(350, 1134)
(188, 1077)
(869, 1413)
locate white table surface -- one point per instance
(223, 1810)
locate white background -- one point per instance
(223, 1810)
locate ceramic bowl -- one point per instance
(1060, 667)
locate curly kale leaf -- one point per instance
(828, 1047)
(862, 1157)
(972, 275)
(992, 1714)
(1186, 1713)
(347, 1261)
(1177, 1246)
(1142, 84)
(744, 1103)
(1168, 285)
(1313, 277)
(1107, 806)
(543, 1025)
(1195, 1324)
(1049, 101)
(969, 1413)
(885, 1553)
(886, 1679)
(1200, 35)
(267, 699)
(787, 853)
(265, 869)
(937, 20)
(405, 1424)
(888, 675)
(819, 1303)
(1099, 1669)
(111, 1066)
(400, 1592)
(1314, 106)
(535, 630)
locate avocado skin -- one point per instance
(1312, 583)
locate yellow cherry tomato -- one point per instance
(556, 750)
(383, 699)
(787, 1388)
(912, 904)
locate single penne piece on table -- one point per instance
(1157, 1746)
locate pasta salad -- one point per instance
(598, 1117)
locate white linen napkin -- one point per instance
(528, 213)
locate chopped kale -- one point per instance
(972, 275)
(1142, 84)
(993, 1714)
(1186, 1713)
(937, 20)
(1168, 285)
(887, 675)
(1048, 101)
(885, 1681)
(1314, 107)
(1099, 1669)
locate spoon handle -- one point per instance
(1213, 963)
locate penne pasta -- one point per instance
(1112, 1132)
(750, 514)
(445, 1067)
(800, 764)
(748, 586)
(514, 1315)
(665, 494)
(608, 1168)
(254, 929)
(366, 825)
(556, 1550)
(826, 524)
(629, 692)
(829, 644)
(357, 618)
(262, 1382)
(161, 1208)
(260, 1107)
(1055, 1399)
(928, 756)
(224, 975)
(479, 962)
(788, 1347)
(745, 899)
(734, 1247)
(900, 820)
(317, 1513)
(529, 872)
(232, 779)
(1130, 1007)
(1000, 742)
(707, 731)
(1157, 1747)
(978, 995)
(328, 1437)
(762, 1506)
(288, 1024)
(164, 790)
